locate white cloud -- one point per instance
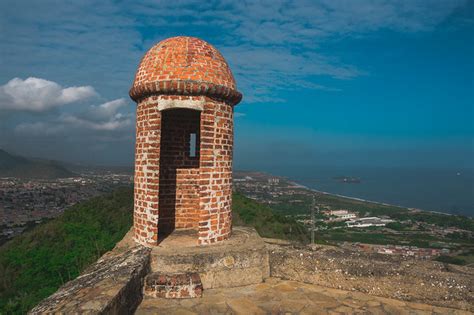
(38, 95)
(105, 111)
(104, 117)
(101, 118)
(110, 125)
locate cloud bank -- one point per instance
(274, 48)
(38, 95)
(271, 45)
(104, 117)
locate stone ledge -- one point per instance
(239, 261)
(387, 276)
(113, 285)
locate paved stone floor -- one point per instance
(287, 297)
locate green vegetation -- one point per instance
(397, 213)
(406, 232)
(450, 260)
(439, 219)
(377, 235)
(20, 167)
(265, 220)
(28, 227)
(286, 206)
(34, 264)
(458, 236)
(464, 259)
(340, 235)
(397, 226)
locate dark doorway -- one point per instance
(179, 171)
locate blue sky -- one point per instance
(386, 83)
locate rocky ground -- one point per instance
(287, 297)
(375, 274)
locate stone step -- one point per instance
(239, 261)
(173, 286)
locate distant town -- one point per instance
(25, 203)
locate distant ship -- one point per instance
(347, 179)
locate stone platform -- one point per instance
(241, 260)
(304, 280)
(277, 296)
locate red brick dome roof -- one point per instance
(184, 66)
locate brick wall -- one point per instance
(147, 154)
(174, 190)
(216, 172)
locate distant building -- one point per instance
(274, 181)
(367, 222)
(340, 215)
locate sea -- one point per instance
(441, 190)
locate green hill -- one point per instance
(34, 264)
(21, 167)
(265, 220)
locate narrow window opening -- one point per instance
(192, 145)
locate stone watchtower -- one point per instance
(185, 94)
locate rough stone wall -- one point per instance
(217, 129)
(179, 171)
(389, 276)
(147, 154)
(173, 286)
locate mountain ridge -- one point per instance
(12, 165)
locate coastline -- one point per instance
(365, 200)
(290, 180)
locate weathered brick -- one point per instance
(183, 85)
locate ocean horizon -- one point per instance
(443, 190)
